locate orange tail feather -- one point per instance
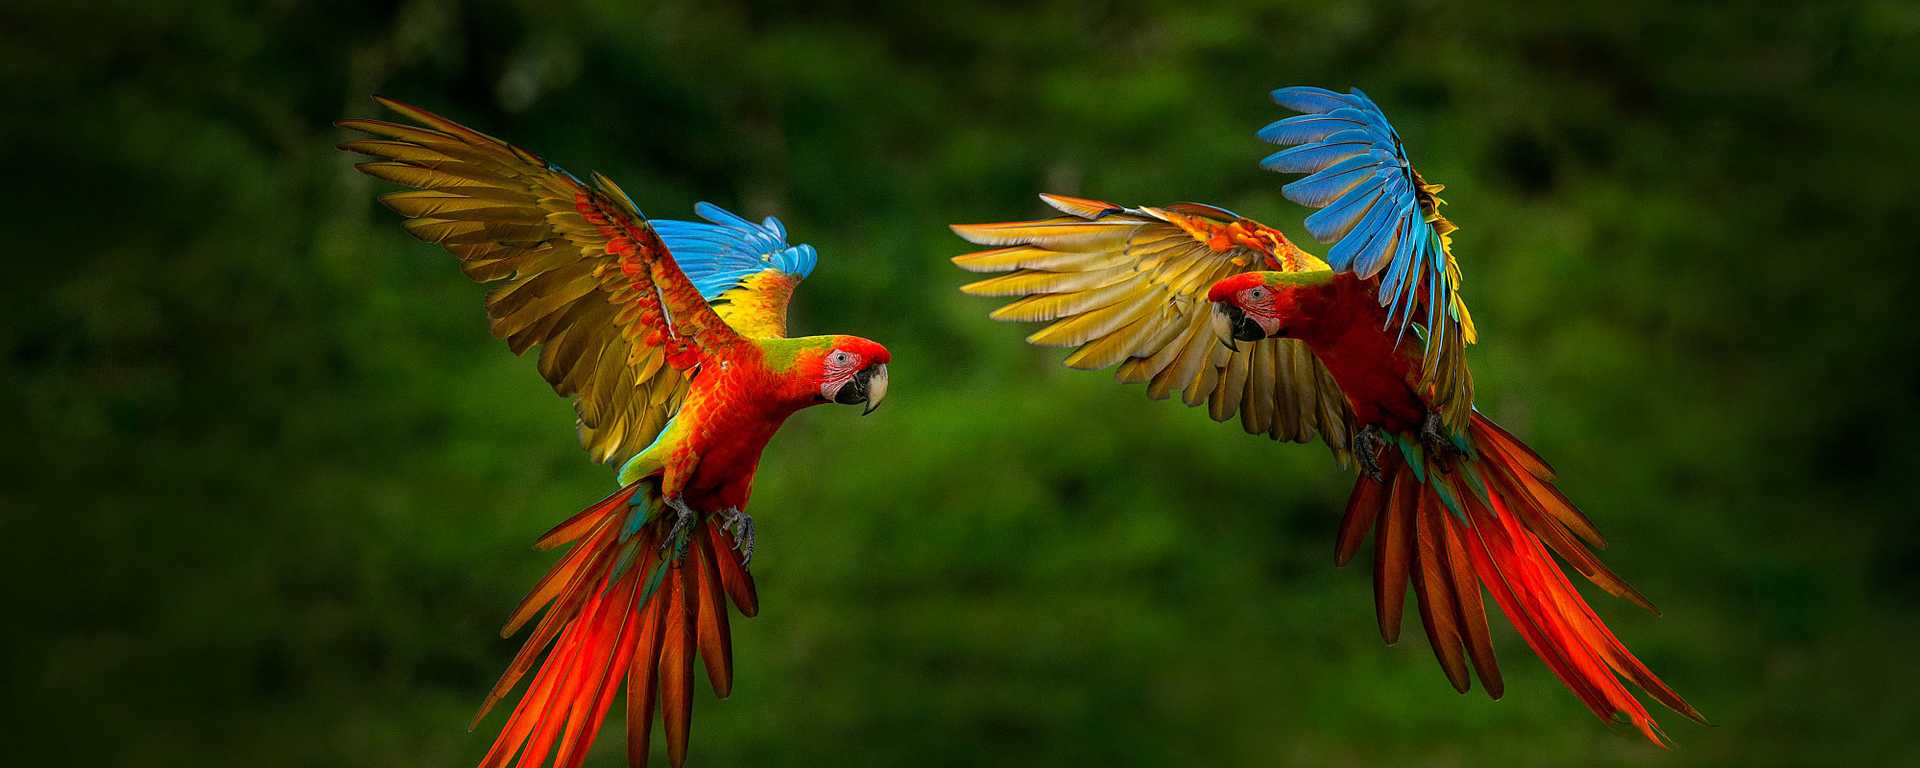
(612, 616)
(1494, 522)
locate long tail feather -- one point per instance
(619, 609)
(676, 666)
(1494, 521)
(1433, 587)
(1393, 554)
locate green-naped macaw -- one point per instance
(670, 339)
(1229, 312)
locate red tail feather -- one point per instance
(604, 628)
(1502, 542)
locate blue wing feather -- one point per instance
(1408, 279)
(1329, 183)
(1370, 235)
(1301, 129)
(773, 225)
(1307, 98)
(1421, 265)
(1360, 179)
(723, 251)
(1311, 158)
(1439, 329)
(1399, 264)
(1334, 221)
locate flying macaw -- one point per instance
(670, 339)
(1300, 347)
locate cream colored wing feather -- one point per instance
(1127, 287)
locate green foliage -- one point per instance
(271, 484)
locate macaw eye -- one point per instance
(1257, 293)
(840, 358)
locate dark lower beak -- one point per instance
(1243, 328)
(868, 386)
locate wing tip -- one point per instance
(394, 104)
(987, 233)
(1083, 207)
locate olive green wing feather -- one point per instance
(1127, 287)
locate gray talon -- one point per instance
(1433, 436)
(682, 521)
(739, 525)
(1367, 444)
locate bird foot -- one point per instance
(1367, 444)
(1434, 437)
(682, 524)
(739, 525)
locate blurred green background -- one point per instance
(270, 484)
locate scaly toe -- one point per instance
(739, 525)
(682, 522)
(1367, 444)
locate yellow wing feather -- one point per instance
(513, 220)
(1127, 287)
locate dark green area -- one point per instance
(270, 484)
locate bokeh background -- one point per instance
(269, 485)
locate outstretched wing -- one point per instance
(747, 270)
(1127, 287)
(1383, 220)
(585, 276)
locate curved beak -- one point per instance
(876, 387)
(1244, 328)
(1222, 327)
(868, 385)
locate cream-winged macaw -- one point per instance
(670, 339)
(1228, 311)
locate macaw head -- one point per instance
(1251, 306)
(847, 370)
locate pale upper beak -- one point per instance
(876, 389)
(1239, 326)
(1222, 327)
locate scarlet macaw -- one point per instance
(1302, 347)
(670, 339)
